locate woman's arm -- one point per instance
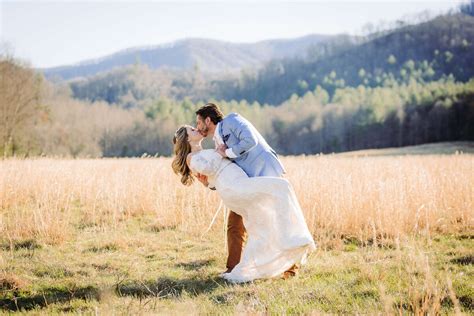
(201, 178)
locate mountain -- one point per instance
(208, 55)
(423, 52)
(427, 51)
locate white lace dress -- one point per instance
(278, 236)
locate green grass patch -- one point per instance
(137, 269)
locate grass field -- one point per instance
(395, 234)
(445, 148)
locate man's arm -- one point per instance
(247, 138)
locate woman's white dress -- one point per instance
(278, 236)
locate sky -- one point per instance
(52, 33)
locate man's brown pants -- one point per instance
(236, 236)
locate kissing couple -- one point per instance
(247, 174)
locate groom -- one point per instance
(237, 139)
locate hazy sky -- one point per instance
(51, 33)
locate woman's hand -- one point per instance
(203, 179)
(221, 150)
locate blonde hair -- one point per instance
(181, 150)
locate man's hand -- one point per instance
(221, 150)
(203, 179)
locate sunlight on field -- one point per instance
(369, 199)
(124, 236)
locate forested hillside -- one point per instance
(424, 52)
(407, 86)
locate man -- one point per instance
(237, 139)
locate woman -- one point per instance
(278, 236)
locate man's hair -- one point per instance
(212, 111)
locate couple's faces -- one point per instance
(202, 125)
(193, 134)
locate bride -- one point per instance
(278, 236)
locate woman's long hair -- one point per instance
(181, 150)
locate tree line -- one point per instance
(41, 118)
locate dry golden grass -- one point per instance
(395, 236)
(370, 199)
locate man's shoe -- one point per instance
(226, 271)
(288, 274)
(291, 272)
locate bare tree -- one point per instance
(19, 100)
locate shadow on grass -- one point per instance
(195, 265)
(168, 287)
(28, 244)
(465, 237)
(411, 307)
(104, 248)
(22, 301)
(464, 261)
(465, 301)
(156, 228)
(234, 296)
